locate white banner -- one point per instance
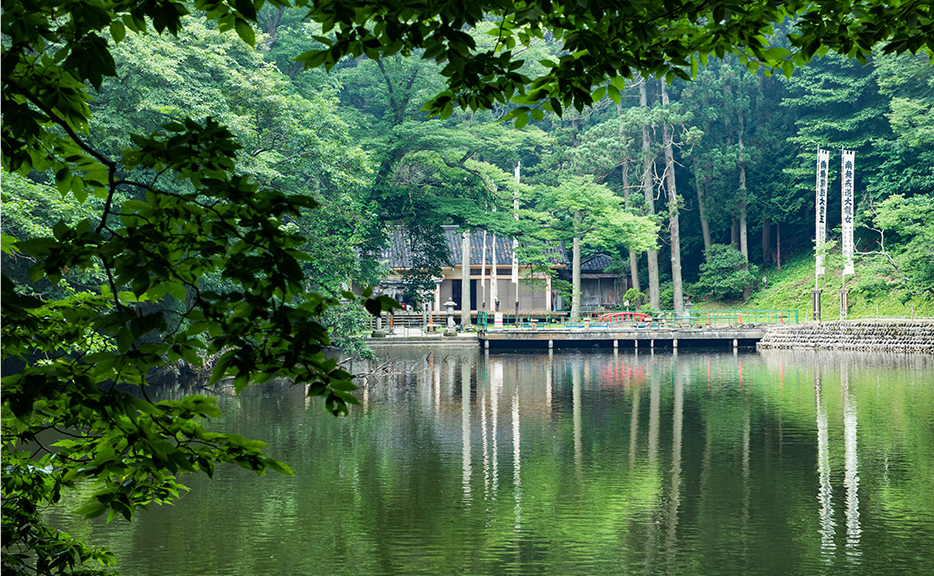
(823, 162)
(515, 242)
(846, 198)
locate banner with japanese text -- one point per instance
(823, 162)
(515, 242)
(846, 198)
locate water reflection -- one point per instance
(851, 479)
(576, 400)
(466, 428)
(572, 463)
(674, 495)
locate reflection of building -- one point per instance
(600, 289)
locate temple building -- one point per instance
(492, 256)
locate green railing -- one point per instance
(609, 318)
(524, 319)
(738, 317)
(543, 319)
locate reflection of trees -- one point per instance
(560, 463)
(674, 494)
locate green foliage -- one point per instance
(602, 47)
(346, 324)
(912, 221)
(725, 274)
(873, 293)
(195, 260)
(581, 208)
(31, 210)
(666, 296)
(634, 296)
(206, 194)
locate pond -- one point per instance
(469, 463)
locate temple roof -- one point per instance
(399, 253)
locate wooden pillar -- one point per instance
(548, 293)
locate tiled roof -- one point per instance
(399, 252)
(596, 263)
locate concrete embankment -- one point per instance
(413, 338)
(877, 336)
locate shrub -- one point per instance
(724, 274)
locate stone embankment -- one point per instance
(877, 336)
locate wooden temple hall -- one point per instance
(491, 259)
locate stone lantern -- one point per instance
(451, 329)
(450, 304)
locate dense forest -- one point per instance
(721, 167)
(205, 195)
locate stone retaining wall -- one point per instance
(878, 336)
(433, 341)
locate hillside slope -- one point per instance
(790, 289)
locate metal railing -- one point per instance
(638, 319)
(543, 319)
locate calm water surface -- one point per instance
(465, 463)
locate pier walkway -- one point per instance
(621, 337)
(601, 328)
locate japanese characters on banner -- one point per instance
(823, 162)
(515, 241)
(846, 198)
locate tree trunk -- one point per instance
(778, 245)
(673, 223)
(766, 239)
(702, 207)
(743, 241)
(633, 257)
(465, 280)
(576, 280)
(744, 244)
(269, 19)
(648, 159)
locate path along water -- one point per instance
(465, 462)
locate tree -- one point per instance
(648, 191)
(606, 42)
(175, 208)
(580, 211)
(910, 220)
(609, 147)
(726, 273)
(907, 82)
(179, 207)
(674, 226)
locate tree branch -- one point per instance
(16, 86)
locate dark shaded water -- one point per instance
(573, 463)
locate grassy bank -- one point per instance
(790, 289)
